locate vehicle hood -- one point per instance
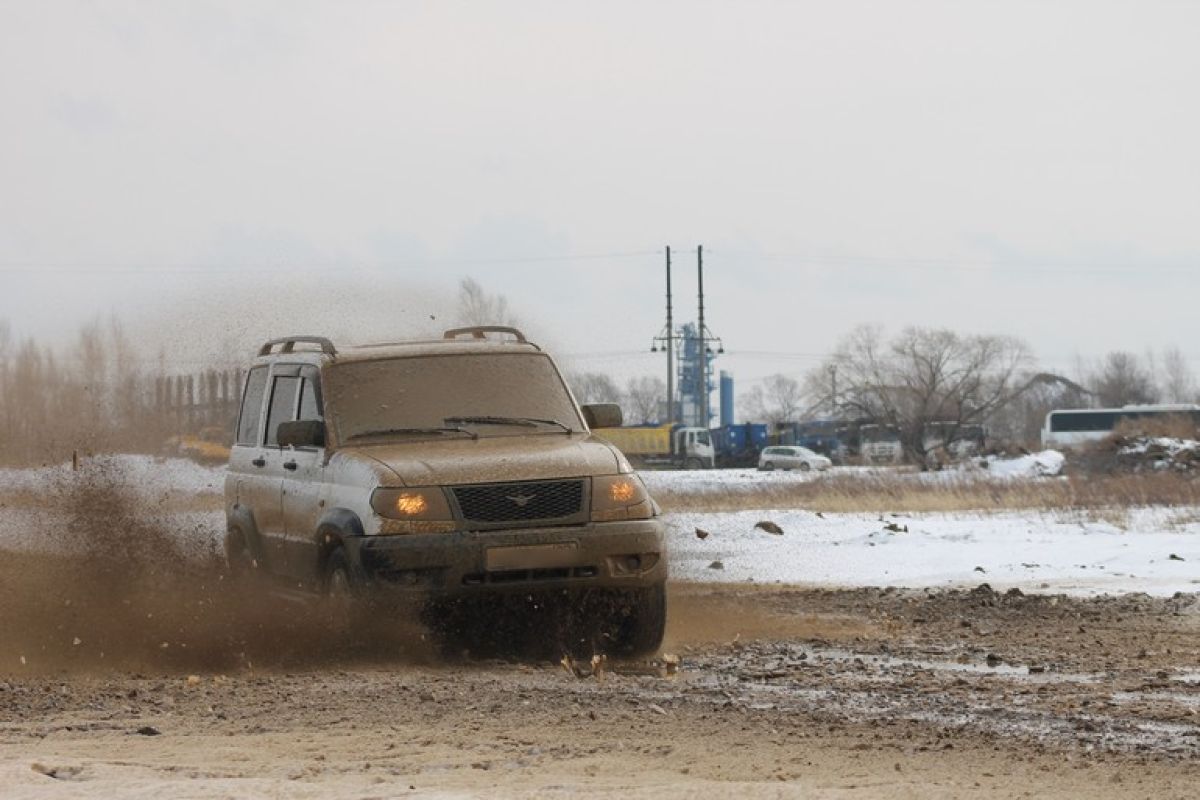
(488, 460)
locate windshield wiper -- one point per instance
(528, 422)
(415, 431)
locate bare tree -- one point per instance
(476, 306)
(1020, 422)
(594, 387)
(1178, 383)
(777, 399)
(926, 380)
(644, 396)
(1122, 381)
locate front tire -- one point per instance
(640, 631)
(805, 466)
(339, 593)
(769, 466)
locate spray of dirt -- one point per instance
(122, 591)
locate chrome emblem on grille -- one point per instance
(522, 500)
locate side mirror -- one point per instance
(301, 433)
(603, 415)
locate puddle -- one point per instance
(1185, 700)
(1000, 669)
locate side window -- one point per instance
(248, 430)
(283, 406)
(310, 395)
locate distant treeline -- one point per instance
(96, 395)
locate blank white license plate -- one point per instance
(561, 554)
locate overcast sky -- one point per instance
(225, 171)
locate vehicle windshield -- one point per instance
(403, 397)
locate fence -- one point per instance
(189, 404)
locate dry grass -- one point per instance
(909, 493)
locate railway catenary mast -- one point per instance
(689, 367)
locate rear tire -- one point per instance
(769, 466)
(640, 631)
(805, 466)
(238, 558)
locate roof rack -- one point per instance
(289, 344)
(481, 331)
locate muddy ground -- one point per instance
(778, 693)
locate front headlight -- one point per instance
(413, 510)
(616, 497)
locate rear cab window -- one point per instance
(248, 431)
(282, 408)
(310, 395)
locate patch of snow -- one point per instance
(1047, 463)
(147, 474)
(1164, 444)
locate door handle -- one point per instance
(290, 465)
(259, 462)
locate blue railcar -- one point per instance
(739, 445)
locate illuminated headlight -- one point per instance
(413, 510)
(616, 497)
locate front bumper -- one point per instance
(605, 555)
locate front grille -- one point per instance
(520, 502)
(529, 575)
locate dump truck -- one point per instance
(663, 446)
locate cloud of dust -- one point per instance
(225, 325)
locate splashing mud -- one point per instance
(122, 590)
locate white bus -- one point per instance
(1075, 426)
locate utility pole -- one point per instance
(666, 339)
(704, 419)
(670, 347)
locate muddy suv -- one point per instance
(453, 468)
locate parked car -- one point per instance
(792, 457)
(456, 469)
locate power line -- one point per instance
(960, 265)
(261, 267)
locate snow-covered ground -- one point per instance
(1154, 550)
(1069, 553)
(144, 474)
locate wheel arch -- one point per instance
(335, 526)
